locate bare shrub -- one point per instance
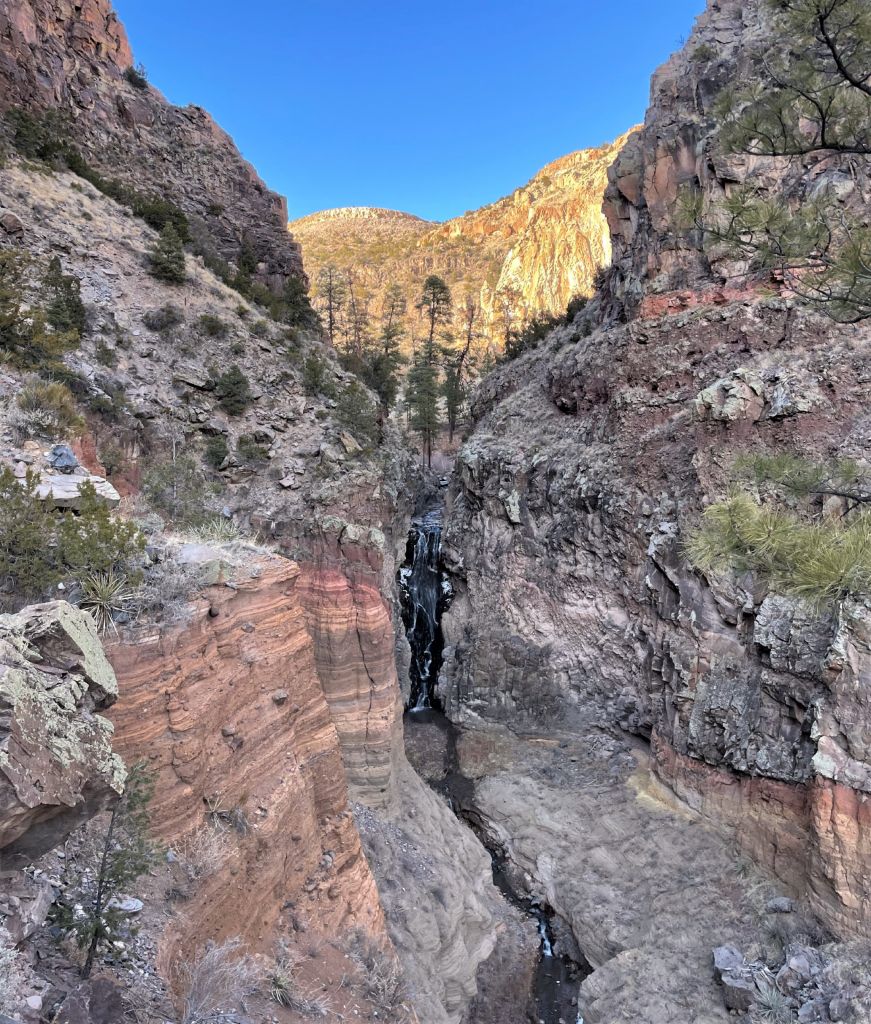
(381, 972)
(215, 983)
(202, 852)
(286, 989)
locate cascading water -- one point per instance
(425, 593)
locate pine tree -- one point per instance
(809, 99)
(422, 396)
(436, 307)
(26, 338)
(167, 259)
(332, 293)
(385, 358)
(89, 909)
(64, 309)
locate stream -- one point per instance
(426, 593)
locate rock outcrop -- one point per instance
(534, 249)
(229, 712)
(57, 766)
(56, 55)
(576, 609)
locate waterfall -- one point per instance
(424, 593)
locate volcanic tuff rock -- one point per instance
(544, 243)
(57, 767)
(71, 57)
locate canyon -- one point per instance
(460, 747)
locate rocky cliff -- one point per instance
(577, 611)
(71, 58)
(536, 248)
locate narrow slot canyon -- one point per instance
(431, 745)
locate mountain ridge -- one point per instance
(533, 249)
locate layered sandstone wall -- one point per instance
(229, 712)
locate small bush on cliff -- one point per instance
(356, 411)
(213, 326)
(233, 391)
(64, 309)
(137, 76)
(89, 908)
(216, 451)
(821, 561)
(164, 318)
(37, 137)
(176, 489)
(41, 547)
(166, 259)
(27, 339)
(529, 336)
(47, 409)
(316, 378)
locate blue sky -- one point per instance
(430, 108)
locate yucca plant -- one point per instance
(105, 595)
(218, 531)
(771, 1006)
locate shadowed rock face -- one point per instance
(57, 768)
(591, 460)
(56, 54)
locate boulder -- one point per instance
(24, 905)
(62, 459)
(739, 990)
(57, 768)
(780, 905)
(11, 223)
(727, 958)
(349, 443)
(97, 1001)
(65, 491)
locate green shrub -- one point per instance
(177, 491)
(26, 338)
(250, 452)
(821, 561)
(166, 259)
(39, 138)
(315, 377)
(163, 319)
(106, 355)
(233, 391)
(531, 335)
(111, 456)
(213, 326)
(703, 52)
(137, 76)
(216, 451)
(356, 411)
(260, 329)
(41, 547)
(48, 409)
(62, 296)
(577, 303)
